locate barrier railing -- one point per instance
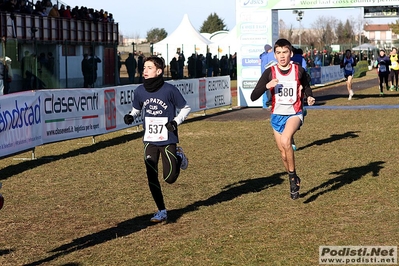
(33, 118)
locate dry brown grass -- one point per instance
(89, 204)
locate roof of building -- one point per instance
(377, 27)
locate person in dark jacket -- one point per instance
(86, 71)
(174, 68)
(131, 65)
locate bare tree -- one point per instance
(282, 29)
(323, 30)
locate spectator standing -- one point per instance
(140, 67)
(298, 57)
(28, 65)
(131, 65)
(5, 75)
(337, 59)
(209, 66)
(174, 68)
(191, 65)
(67, 13)
(224, 65)
(93, 61)
(199, 66)
(86, 71)
(266, 58)
(181, 59)
(216, 66)
(317, 59)
(327, 58)
(54, 13)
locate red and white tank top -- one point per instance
(286, 96)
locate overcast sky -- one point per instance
(135, 18)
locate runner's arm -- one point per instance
(260, 87)
(182, 114)
(305, 83)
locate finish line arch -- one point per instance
(257, 24)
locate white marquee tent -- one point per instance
(224, 43)
(185, 37)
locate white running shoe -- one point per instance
(184, 159)
(350, 95)
(159, 216)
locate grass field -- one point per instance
(81, 203)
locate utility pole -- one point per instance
(299, 17)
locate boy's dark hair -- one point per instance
(158, 62)
(283, 43)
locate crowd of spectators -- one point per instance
(211, 66)
(317, 58)
(46, 8)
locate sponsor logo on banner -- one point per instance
(126, 97)
(253, 3)
(218, 84)
(110, 109)
(254, 38)
(22, 115)
(252, 49)
(70, 104)
(254, 28)
(185, 87)
(249, 84)
(251, 62)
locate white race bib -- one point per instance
(348, 67)
(286, 92)
(155, 129)
(394, 64)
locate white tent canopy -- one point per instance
(364, 46)
(225, 45)
(185, 37)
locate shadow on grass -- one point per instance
(332, 138)
(11, 170)
(5, 251)
(345, 177)
(229, 193)
(141, 222)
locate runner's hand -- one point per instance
(311, 100)
(171, 125)
(128, 118)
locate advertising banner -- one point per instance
(20, 122)
(30, 119)
(72, 113)
(218, 92)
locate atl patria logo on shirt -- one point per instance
(155, 106)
